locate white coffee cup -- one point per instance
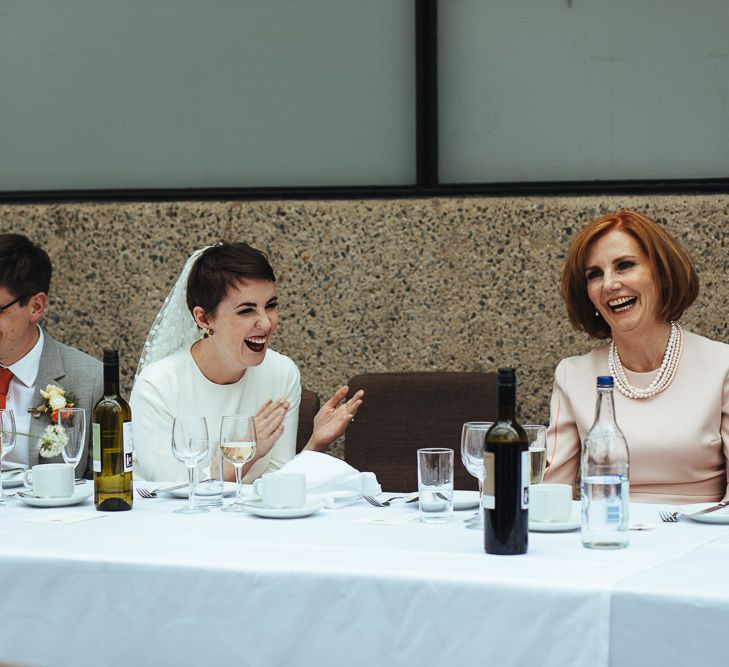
(51, 480)
(281, 490)
(550, 502)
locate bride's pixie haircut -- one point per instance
(672, 269)
(221, 267)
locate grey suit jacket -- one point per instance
(76, 372)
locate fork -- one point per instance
(668, 517)
(386, 503)
(380, 503)
(146, 493)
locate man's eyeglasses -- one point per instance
(7, 305)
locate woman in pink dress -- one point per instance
(626, 279)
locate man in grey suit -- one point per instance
(31, 359)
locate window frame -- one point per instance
(426, 145)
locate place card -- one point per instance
(388, 519)
(68, 517)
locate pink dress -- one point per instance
(678, 440)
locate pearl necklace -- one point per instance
(664, 376)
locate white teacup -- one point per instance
(50, 480)
(282, 490)
(550, 502)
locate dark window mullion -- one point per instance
(426, 94)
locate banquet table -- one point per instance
(150, 587)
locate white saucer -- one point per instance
(462, 500)
(465, 500)
(183, 493)
(259, 509)
(556, 526)
(80, 494)
(12, 478)
(334, 499)
(718, 516)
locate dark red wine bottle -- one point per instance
(506, 476)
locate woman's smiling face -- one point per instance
(620, 283)
(244, 322)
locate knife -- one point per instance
(713, 508)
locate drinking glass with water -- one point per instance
(435, 484)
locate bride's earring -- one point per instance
(207, 332)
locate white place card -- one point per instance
(68, 517)
(388, 518)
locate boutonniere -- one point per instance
(55, 399)
(54, 437)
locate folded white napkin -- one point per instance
(331, 477)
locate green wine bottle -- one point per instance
(113, 445)
(506, 476)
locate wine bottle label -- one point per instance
(525, 479)
(128, 446)
(96, 441)
(489, 487)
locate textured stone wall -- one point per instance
(386, 285)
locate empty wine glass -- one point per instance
(537, 435)
(73, 421)
(472, 437)
(190, 445)
(7, 441)
(238, 446)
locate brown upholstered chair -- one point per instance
(403, 412)
(308, 408)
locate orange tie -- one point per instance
(5, 376)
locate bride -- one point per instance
(227, 292)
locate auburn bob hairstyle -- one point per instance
(673, 271)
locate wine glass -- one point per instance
(73, 421)
(190, 446)
(537, 435)
(238, 446)
(7, 441)
(472, 437)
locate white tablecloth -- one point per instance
(153, 587)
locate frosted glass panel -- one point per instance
(184, 93)
(549, 90)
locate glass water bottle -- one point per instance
(605, 486)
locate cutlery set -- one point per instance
(672, 517)
(386, 503)
(152, 493)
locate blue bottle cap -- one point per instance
(605, 381)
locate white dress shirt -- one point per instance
(20, 397)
